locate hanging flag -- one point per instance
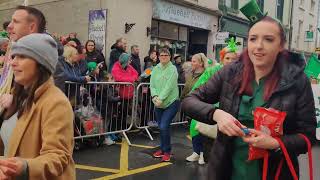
(312, 68)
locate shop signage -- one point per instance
(308, 36)
(317, 50)
(179, 14)
(97, 27)
(316, 95)
(221, 37)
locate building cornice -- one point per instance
(197, 7)
(236, 18)
(13, 3)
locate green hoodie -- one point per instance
(164, 83)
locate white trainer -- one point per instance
(201, 159)
(193, 157)
(108, 141)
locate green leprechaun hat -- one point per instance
(252, 11)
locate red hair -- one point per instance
(248, 75)
(274, 76)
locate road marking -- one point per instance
(124, 156)
(143, 146)
(124, 164)
(92, 168)
(135, 171)
(139, 146)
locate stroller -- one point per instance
(87, 121)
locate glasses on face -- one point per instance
(164, 55)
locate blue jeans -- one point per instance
(197, 144)
(164, 118)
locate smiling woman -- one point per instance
(266, 75)
(33, 115)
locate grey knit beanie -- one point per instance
(40, 47)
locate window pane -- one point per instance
(154, 28)
(229, 3)
(261, 4)
(167, 30)
(280, 9)
(183, 33)
(235, 4)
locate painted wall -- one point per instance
(65, 16)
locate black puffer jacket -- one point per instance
(136, 63)
(292, 95)
(114, 56)
(59, 73)
(96, 57)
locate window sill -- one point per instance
(302, 8)
(228, 10)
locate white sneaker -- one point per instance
(153, 124)
(201, 159)
(193, 157)
(108, 141)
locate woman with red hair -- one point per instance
(228, 55)
(266, 75)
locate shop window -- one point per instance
(233, 4)
(154, 28)
(183, 33)
(169, 35)
(312, 5)
(175, 47)
(168, 30)
(261, 4)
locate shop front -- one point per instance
(184, 30)
(237, 28)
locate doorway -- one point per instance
(198, 40)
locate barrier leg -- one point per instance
(149, 134)
(127, 139)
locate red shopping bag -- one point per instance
(269, 121)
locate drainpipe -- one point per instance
(317, 28)
(290, 25)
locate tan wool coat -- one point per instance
(44, 136)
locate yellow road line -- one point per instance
(124, 156)
(92, 168)
(139, 146)
(135, 171)
(189, 137)
(142, 146)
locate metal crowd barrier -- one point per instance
(100, 110)
(144, 113)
